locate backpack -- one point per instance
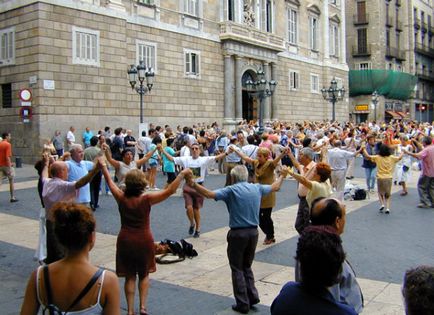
(359, 194)
(179, 141)
(180, 248)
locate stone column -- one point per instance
(273, 97)
(267, 102)
(229, 108)
(238, 89)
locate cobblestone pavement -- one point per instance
(379, 247)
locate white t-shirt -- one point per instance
(198, 166)
(185, 151)
(250, 150)
(70, 137)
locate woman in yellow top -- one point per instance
(385, 166)
(264, 174)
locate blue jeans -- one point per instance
(370, 174)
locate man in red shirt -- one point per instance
(6, 169)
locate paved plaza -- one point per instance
(380, 248)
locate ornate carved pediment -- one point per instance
(293, 2)
(335, 18)
(314, 9)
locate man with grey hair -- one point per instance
(306, 167)
(243, 201)
(77, 168)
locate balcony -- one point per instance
(398, 26)
(424, 50)
(393, 52)
(245, 34)
(417, 23)
(425, 74)
(360, 19)
(389, 21)
(357, 51)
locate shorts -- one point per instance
(153, 163)
(7, 171)
(192, 197)
(171, 176)
(384, 186)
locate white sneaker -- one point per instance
(381, 208)
(387, 211)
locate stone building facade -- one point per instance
(74, 55)
(381, 36)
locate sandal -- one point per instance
(404, 193)
(143, 311)
(269, 241)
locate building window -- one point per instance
(364, 66)
(192, 63)
(314, 83)
(387, 38)
(191, 7)
(398, 41)
(362, 41)
(231, 10)
(7, 95)
(85, 46)
(292, 26)
(7, 46)
(294, 81)
(313, 33)
(269, 16)
(148, 53)
(334, 40)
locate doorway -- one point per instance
(250, 103)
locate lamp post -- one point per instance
(141, 72)
(375, 102)
(262, 89)
(333, 94)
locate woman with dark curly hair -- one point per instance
(61, 282)
(319, 185)
(135, 251)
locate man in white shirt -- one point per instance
(193, 200)
(70, 137)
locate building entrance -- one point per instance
(250, 103)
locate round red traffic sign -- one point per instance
(25, 95)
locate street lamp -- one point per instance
(262, 89)
(141, 72)
(375, 102)
(333, 94)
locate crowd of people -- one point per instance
(320, 156)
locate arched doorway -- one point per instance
(250, 103)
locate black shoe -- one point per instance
(196, 234)
(240, 309)
(191, 229)
(14, 199)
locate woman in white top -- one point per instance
(75, 229)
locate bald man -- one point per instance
(332, 212)
(56, 189)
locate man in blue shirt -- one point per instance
(87, 135)
(243, 201)
(77, 168)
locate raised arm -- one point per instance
(46, 163)
(294, 161)
(147, 156)
(243, 156)
(280, 156)
(169, 157)
(88, 177)
(278, 183)
(157, 197)
(301, 179)
(116, 191)
(108, 156)
(202, 190)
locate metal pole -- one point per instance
(334, 114)
(375, 110)
(141, 102)
(261, 105)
